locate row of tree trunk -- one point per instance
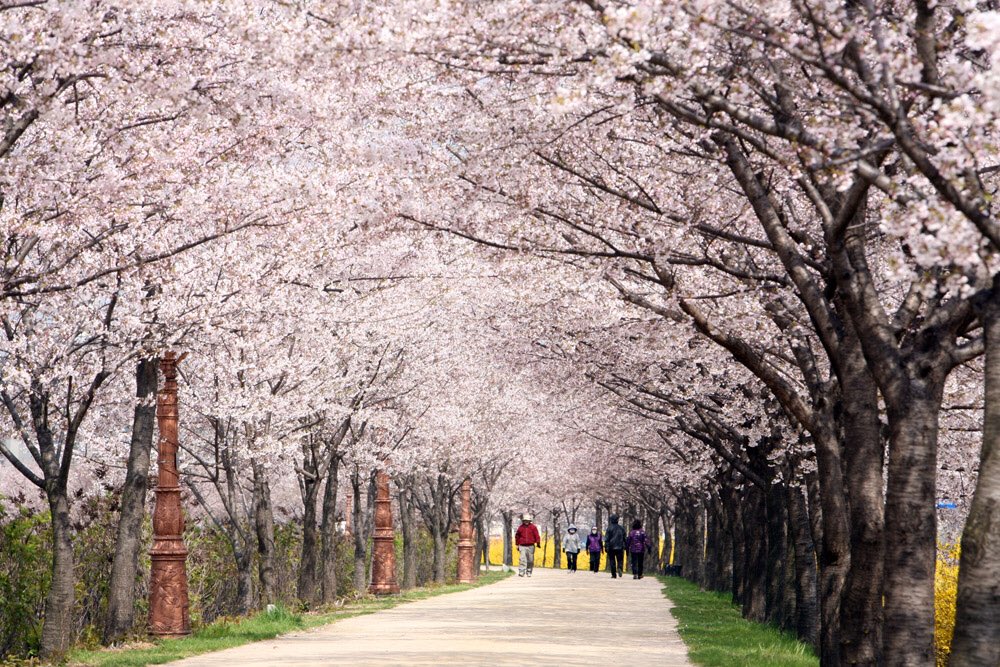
(250, 527)
(758, 545)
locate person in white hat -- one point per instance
(526, 538)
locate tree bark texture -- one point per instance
(360, 579)
(309, 485)
(556, 542)
(263, 516)
(58, 629)
(128, 540)
(408, 527)
(508, 537)
(328, 549)
(910, 519)
(806, 603)
(861, 605)
(977, 617)
(755, 556)
(668, 541)
(776, 552)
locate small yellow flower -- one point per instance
(945, 593)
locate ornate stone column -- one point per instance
(168, 589)
(384, 547)
(466, 549)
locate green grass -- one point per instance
(717, 636)
(228, 633)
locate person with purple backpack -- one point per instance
(637, 542)
(595, 544)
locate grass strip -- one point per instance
(718, 636)
(227, 633)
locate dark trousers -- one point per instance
(616, 561)
(571, 560)
(636, 561)
(595, 560)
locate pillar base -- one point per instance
(466, 566)
(384, 589)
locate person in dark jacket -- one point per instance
(614, 545)
(594, 547)
(636, 542)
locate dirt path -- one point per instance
(553, 617)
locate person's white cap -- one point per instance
(526, 516)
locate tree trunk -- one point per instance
(861, 606)
(720, 574)
(806, 604)
(725, 574)
(682, 530)
(244, 580)
(440, 551)
(125, 565)
(508, 538)
(712, 549)
(697, 550)
(307, 584)
(735, 510)
(545, 547)
(328, 559)
(815, 511)
(599, 516)
(776, 551)
(58, 629)
(481, 545)
(408, 526)
(309, 480)
(263, 515)
(788, 617)
(652, 559)
(910, 376)
(835, 547)
(977, 617)
(668, 544)
(370, 523)
(360, 580)
(910, 519)
(754, 565)
(556, 541)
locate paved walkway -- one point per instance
(552, 618)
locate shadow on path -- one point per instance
(557, 617)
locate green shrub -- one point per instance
(25, 573)
(95, 527)
(25, 564)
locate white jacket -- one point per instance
(571, 541)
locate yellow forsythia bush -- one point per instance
(945, 592)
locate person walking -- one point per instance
(614, 545)
(636, 542)
(526, 538)
(594, 547)
(571, 545)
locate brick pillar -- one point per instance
(168, 589)
(466, 549)
(384, 548)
